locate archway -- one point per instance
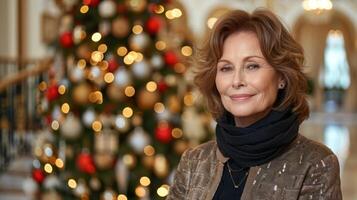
(312, 34)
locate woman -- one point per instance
(250, 72)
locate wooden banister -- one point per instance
(14, 78)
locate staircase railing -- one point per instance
(18, 100)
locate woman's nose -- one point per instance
(238, 79)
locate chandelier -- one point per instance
(317, 5)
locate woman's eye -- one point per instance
(252, 66)
(225, 68)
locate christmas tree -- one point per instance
(113, 102)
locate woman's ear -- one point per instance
(282, 83)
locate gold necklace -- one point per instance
(230, 174)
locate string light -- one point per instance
(186, 51)
(139, 57)
(159, 9)
(84, 9)
(169, 14)
(103, 65)
(151, 86)
(97, 126)
(61, 89)
(42, 86)
(174, 13)
(188, 99)
(96, 97)
(149, 150)
(96, 37)
(160, 45)
(102, 48)
(48, 168)
(122, 197)
(163, 190)
(59, 163)
(130, 57)
(55, 125)
(137, 29)
(159, 107)
(145, 181)
(140, 191)
(72, 183)
(65, 108)
(109, 77)
(121, 51)
(97, 56)
(81, 63)
(129, 91)
(127, 112)
(211, 21)
(317, 5)
(176, 133)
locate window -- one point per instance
(335, 76)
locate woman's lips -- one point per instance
(240, 97)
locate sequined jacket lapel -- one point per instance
(306, 170)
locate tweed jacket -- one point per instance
(306, 170)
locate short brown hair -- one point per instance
(278, 47)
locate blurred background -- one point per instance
(97, 100)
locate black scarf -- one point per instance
(258, 143)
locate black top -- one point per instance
(251, 146)
(226, 189)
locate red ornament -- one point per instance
(163, 132)
(162, 86)
(91, 2)
(85, 163)
(52, 92)
(38, 175)
(153, 25)
(170, 58)
(66, 39)
(112, 65)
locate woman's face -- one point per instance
(246, 82)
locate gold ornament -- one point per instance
(174, 104)
(148, 161)
(80, 93)
(106, 141)
(180, 146)
(136, 5)
(116, 92)
(146, 100)
(120, 27)
(192, 125)
(161, 167)
(71, 127)
(104, 160)
(105, 145)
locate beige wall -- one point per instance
(34, 48)
(8, 33)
